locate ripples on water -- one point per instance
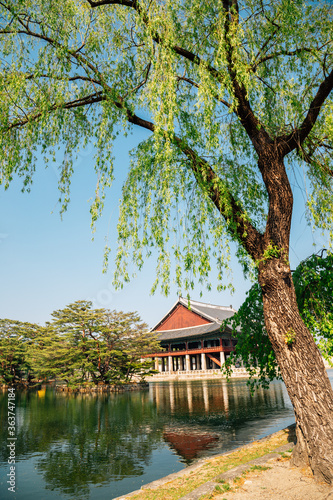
(102, 446)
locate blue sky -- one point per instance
(47, 262)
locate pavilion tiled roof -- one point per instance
(209, 311)
(216, 315)
(192, 331)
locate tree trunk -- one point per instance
(302, 369)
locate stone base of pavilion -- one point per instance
(196, 375)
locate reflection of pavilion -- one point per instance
(192, 338)
(201, 418)
(189, 444)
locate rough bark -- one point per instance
(298, 357)
(302, 369)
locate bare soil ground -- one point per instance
(280, 481)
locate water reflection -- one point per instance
(207, 417)
(102, 446)
(83, 440)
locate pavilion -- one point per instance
(193, 337)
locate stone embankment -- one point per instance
(197, 375)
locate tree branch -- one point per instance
(128, 3)
(84, 101)
(310, 158)
(255, 130)
(194, 84)
(253, 127)
(187, 54)
(231, 211)
(280, 53)
(295, 139)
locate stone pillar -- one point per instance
(203, 361)
(222, 357)
(188, 364)
(157, 365)
(170, 364)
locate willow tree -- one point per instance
(237, 98)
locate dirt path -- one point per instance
(280, 481)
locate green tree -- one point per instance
(81, 345)
(52, 356)
(313, 281)
(96, 345)
(15, 338)
(237, 95)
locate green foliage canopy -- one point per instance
(78, 71)
(101, 345)
(81, 345)
(15, 340)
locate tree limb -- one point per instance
(194, 84)
(83, 101)
(128, 3)
(232, 212)
(255, 130)
(295, 139)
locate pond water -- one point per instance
(103, 446)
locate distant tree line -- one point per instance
(80, 346)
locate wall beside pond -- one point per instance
(196, 375)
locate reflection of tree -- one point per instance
(86, 439)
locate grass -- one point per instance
(224, 486)
(260, 467)
(175, 489)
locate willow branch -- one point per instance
(31, 117)
(231, 211)
(295, 139)
(289, 53)
(255, 130)
(194, 84)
